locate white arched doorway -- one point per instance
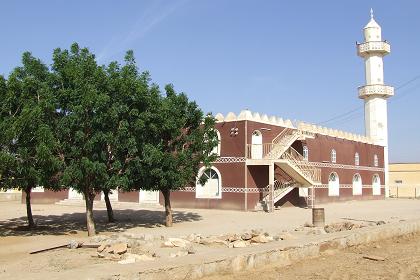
(213, 186)
(333, 185)
(256, 148)
(357, 184)
(376, 185)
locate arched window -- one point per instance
(256, 148)
(376, 185)
(333, 156)
(216, 150)
(333, 185)
(357, 184)
(356, 159)
(213, 186)
(375, 160)
(305, 153)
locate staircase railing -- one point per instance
(275, 149)
(305, 167)
(272, 193)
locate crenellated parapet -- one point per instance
(316, 129)
(256, 117)
(303, 126)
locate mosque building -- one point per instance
(265, 161)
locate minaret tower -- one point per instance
(375, 93)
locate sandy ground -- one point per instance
(58, 224)
(402, 261)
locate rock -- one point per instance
(239, 244)
(127, 261)
(178, 254)
(178, 242)
(191, 250)
(73, 244)
(139, 258)
(101, 248)
(119, 248)
(378, 223)
(134, 243)
(286, 236)
(246, 236)
(233, 237)
(168, 244)
(260, 239)
(191, 237)
(255, 232)
(99, 238)
(341, 227)
(213, 241)
(99, 255)
(374, 258)
(113, 257)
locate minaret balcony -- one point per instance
(373, 47)
(375, 90)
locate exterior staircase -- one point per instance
(274, 194)
(282, 142)
(302, 171)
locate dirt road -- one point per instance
(402, 261)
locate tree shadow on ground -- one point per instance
(69, 222)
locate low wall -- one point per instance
(278, 254)
(404, 191)
(12, 196)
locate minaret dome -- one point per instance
(372, 30)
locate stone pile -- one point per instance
(122, 248)
(335, 227)
(228, 240)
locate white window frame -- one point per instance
(216, 149)
(356, 159)
(198, 185)
(333, 156)
(305, 153)
(256, 148)
(357, 185)
(376, 186)
(334, 186)
(375, 160)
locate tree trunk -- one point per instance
(31, 223)
(109, 207)
(168, 209)
(90, 223)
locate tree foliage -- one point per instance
(98, 129)
(28, 155)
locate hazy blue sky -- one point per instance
(294, 59)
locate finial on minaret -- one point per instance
(371, 13)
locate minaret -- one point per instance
(375, 93)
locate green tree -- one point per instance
(134, 105)
(180, 139)
(28, 156)
(80, 86)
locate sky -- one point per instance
(292, 59)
